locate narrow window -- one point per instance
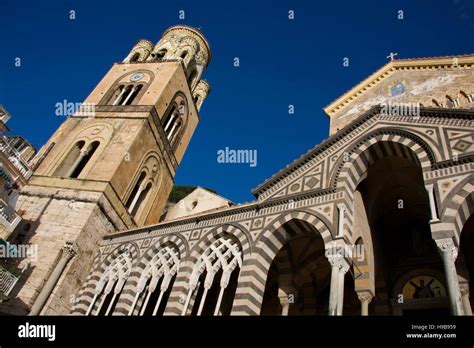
(83, 159)
(435, 103)
(170, 119)
(160, 54)
(108, 303)
(121, 94)
(133, 93)
(141, 199)
(175, 131)
(135, 57)
(114, 100)
(449, 102)
(133, 195)
(466, 99)
(70, 159)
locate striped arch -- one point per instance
(211, 236)
(253, 276)
(180, 289)
(380, 144)
(458, 206)
(87, 291)
(129, 291)
(377, 145)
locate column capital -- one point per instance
(464, 288)
(338, 261)
(341, 206)
(365, 296)
(284, 300)
(446, 246)
(429, 187)
(70, 249)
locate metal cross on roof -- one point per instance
(392, 56)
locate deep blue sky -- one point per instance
(282, 62)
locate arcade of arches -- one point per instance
(393, 267)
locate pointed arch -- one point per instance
(93, 288)
(181, 289)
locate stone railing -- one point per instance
(15, 158)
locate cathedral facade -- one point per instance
(376, 220)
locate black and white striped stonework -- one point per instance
(87, 292)
(253, 276)
(180, 290)
(458, 206)
(129, 291)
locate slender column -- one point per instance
(434, 214)
(464, 288)
(157, 306)
(340, 294)
(109, 308)
(449, 253)
(145, 303)
(68, 252)
(130, 312)
(92, 305)
(219, 300)
(175, 134)
(83, 154)
(203, 299)
(135, 199)
(170, 121)
(333, 288)
(284, 302)
(188, 299)
(102, 302)
(129, 95)
(106, 292)
(120, 95)
(170, 135)
(340, 226)
(339, 267)
(365, 297)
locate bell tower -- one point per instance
(110, 166)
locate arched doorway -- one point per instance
(298, 281)
(408, 270)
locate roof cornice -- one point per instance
(375, 110)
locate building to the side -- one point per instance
(376, 220)
(17, 162)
